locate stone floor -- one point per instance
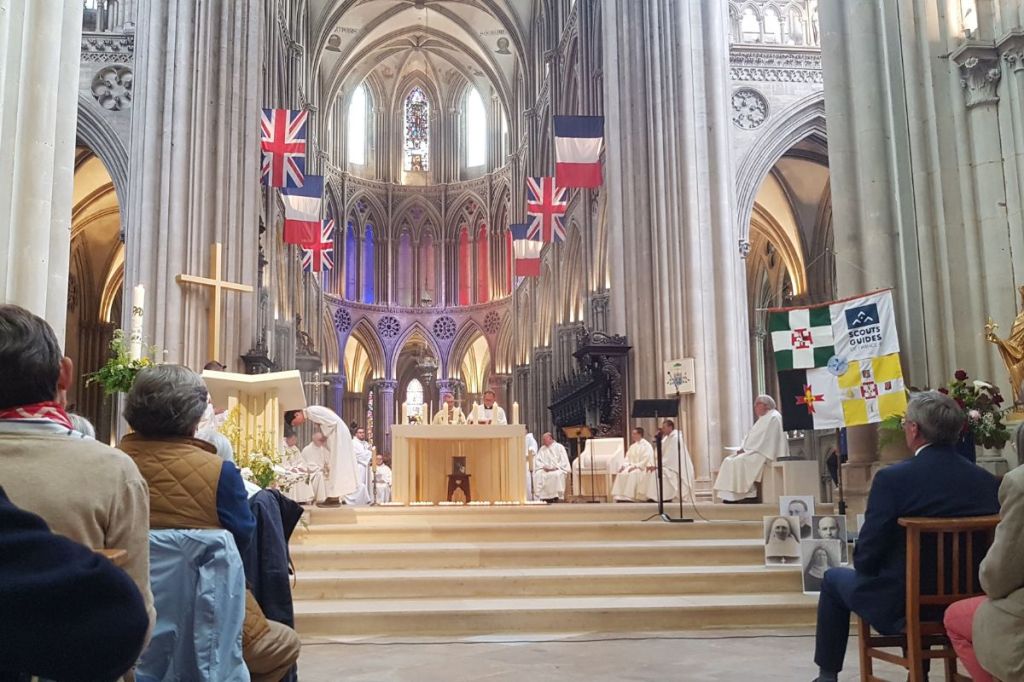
(761, 656)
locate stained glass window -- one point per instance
(476, 130)
(351, 263)
(465, 263)
(368, 261)
(414, 398)
(483, 287)
(357, 127)
(417, 131)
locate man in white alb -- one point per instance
(382, 480)
(531, 449)
(489, 412)
(311, 488)
(550, 469)
(364, 457)
(638, 472)
(676, 464)
(449, 413)
(766, 442)
(340, 463)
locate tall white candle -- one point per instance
(515, 413)
(405, 413)
(135, 329)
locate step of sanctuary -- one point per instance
(475, 570)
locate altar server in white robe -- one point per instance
(364, 458)
(449, 413)
(339, 467)
(490, 412)
(550, 469)
(382, 480)
(676, 464)
(308, 465)
(531, 449)
(638, 472)
(766, 442)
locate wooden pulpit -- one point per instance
(261, 399)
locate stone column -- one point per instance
(679, 280)
(39, 63)
(386, 410)
(195, 169)
(499, 383)
(336, 394)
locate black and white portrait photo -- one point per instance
(801, 506)
(781, 540)
(816, 557)
(832, 528)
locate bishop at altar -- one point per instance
(449, 412)
(766, 442)
(488, 413)
(339, 466)
(550, 469)
(677, 465)
(638, 473)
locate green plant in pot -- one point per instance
(892, 445)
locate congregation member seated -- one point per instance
(84, 490)
(765, 442)
(636, 477)
(936, 482)
(382, 481)
(988, 632)
(191, 487)
(549, 470)
(449, 412)
(489, 412)
(66, 613)
(82, 425)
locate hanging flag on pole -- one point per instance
(319, 255)
(302, 211)
(578, 141)
(546, 203)
(283, 141)
(526, 250)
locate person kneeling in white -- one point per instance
(677, 466)
(635, 477)
(550, 469)
(382, 480)
(766, 442)
(339, 466)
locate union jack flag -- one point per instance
(319, 256)
(283, 141)
(545, 206)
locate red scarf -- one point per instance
(48, 410)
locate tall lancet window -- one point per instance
(351, 263)
(368, 269)
(414, 397)
(476, 130)
(428, 291)
(483, 283)
(417, 131)
(465, 264)
(357, 127)
(406, 268)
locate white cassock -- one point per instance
(673, 448)
(740, 472)
(340, 467)
(452, 416)
(382, 483)
(364, 456)
(310, 463)
(493, 415)
(634, 481)
(548, 485)
(531, 449)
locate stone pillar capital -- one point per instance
(979, 72)
(1011, 47)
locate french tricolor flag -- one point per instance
(526, 251)
(578, 142)
(302, 211)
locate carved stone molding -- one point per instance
(744, 248)
(1011, 47)
(778, 65)
(112, 87)
(111, 48)
(979, 72)
(387, 385)
(749, 109)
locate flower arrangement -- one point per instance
(118, 375)
(981, 401)
(255, 454)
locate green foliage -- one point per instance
(255, 454)
(118, 375)
(890, 431)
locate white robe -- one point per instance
(634, 481)
(531, 449)
(673, 448)
(340, 467)
(382, 483)
(364, 457)
(740, 472)
(455, 416)
(310, 463)
(548, 485)
(494, 415)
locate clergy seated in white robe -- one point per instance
(676, 464)
(550, 469)
(364, 457)
(488, 413)
(339, 467)
(382, 481)
(636, 475)
(531, 450)
(766, 442)
(308, 469)
(449, 413)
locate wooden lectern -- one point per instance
(261, 399)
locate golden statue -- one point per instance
(1011, 349)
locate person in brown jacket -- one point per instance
(191, 487)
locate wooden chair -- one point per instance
(966, 540)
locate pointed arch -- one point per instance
(365, 333)
(416, 328)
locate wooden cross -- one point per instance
(219, 286)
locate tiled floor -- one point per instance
(768, 656)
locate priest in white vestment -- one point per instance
(307, 467)
(449, 413)
(490, 412)
(339, 466)
(550, 469)
(766, 442)
(364, 458)
(638, 472)
(381, 481)
(677, 465)
(531, 450)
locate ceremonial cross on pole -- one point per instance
(219, 286)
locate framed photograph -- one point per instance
(458, 465)
(679, 376)
(801, 506)
(781, 540)
(816, 557)
(832, 528)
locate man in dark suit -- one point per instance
(936, 482)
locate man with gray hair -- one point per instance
(936, 482)
(766, 442)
